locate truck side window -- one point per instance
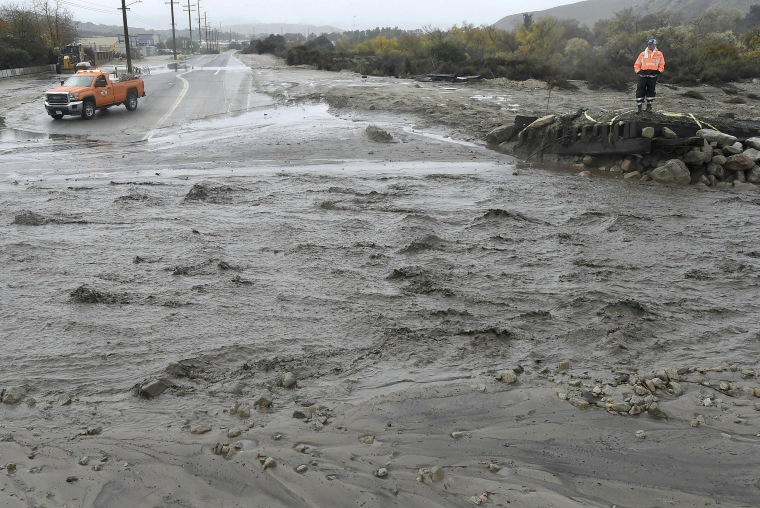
(100, 82)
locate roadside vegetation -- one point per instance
(32, 36)
(720, 45)
(717, 46)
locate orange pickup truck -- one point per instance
(89, 90)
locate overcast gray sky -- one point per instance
(344, 14)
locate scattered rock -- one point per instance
(13, 395)
(367, 440)
(288, 380)
(432, 475)
(381, 473)
(93, 431)
(508, 376)
(579, 403)
(302, 469)
(268, 463)
(200, 429)
(264, 402)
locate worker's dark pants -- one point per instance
(645, 89)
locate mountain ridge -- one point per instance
(588, 12)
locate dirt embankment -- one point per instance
(470, 110)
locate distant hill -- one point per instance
(591, 11)
(87, 29)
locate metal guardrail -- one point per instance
(40, 69)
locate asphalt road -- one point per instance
(206, 87)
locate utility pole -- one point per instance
(205, 25)
(190, 24)
(200, 33)
(126, 33)
(174, 33)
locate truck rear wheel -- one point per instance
(88, 110)
(131, 102)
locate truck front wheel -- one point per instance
(131, 102)
(88, 110)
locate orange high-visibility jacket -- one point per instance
(650, 61)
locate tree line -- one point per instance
(31, 36)
(719, 45)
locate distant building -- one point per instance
(148, 39)
(102, 46)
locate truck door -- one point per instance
(103, 92)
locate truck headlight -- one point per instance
(73, 97)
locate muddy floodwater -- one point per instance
(360, 275)
(221, 252)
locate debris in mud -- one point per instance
(29, 218)
(498, 213)
(205, 192)
(84, 294)
(429, 242)
(378, 135)
(668, 148)
(152, 388)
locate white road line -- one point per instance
(185, 88)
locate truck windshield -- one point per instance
(78, 81)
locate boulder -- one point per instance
(13, 395)
(152, 388)
(752, 153)
(739, 162)
(668, 133)
(501, 134)
(542, 122)
(753, 143)
(734, 149)
(696, 158)
(673, 171)
(713, 136)
(753, 175)
(716, 170)
(719, 159)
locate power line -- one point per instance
(149, 23)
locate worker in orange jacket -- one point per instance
(649, 65)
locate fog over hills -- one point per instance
(586, 12)
(87, 29)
